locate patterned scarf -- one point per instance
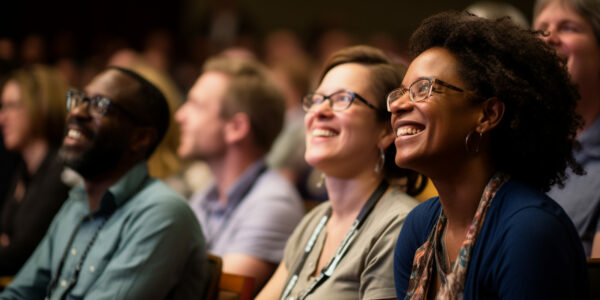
(453, 283)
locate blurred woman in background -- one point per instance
(32, 118)
(572, 28)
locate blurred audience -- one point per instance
(494, 10)
(32, 117)
(572, 28)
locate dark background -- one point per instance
(131, 19)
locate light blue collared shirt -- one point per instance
(150, 244)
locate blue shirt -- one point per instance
(580, 197)
(527, 249)
(261, 212)
(150, 246)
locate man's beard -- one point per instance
(103, 153)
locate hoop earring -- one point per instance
(471, 145)
(379, 166)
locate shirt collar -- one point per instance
(117, 194)
(239, 190)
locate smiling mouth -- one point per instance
(76, 135)
(323, 133)
(408, 130)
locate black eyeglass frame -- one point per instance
(101, 103)
(399, 92)
(309, 99)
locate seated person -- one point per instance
(120, 234)
(32, 118)
(233, 114)
(572, 28)
(343, 248)
(487, 112)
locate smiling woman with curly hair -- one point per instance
(487, 112)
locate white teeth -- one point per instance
(402, 131)
(74, 134)
(323, 132)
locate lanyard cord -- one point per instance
(75, 278)
(61, 264)
(327, 271)
(229, 211)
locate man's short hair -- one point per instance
(156, 112)
(252, 91)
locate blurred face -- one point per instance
(573, 38)
(341, 143)
(431, 133)
(202, 129)
(14, 120)
(95, 145)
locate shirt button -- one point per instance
(92, 268)
(63, 283)
(73, 251)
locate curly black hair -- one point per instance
(534, 141)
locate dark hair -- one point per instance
(534, 141)
(385, 76)
(156, 108)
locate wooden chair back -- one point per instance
(234, 286)
(215, 267)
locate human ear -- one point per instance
(492, 111)
(142, 138)
(386, 138)
(237, 128)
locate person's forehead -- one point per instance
(210, 85)
(435, 62)
(113, 84)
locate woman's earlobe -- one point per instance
(387, 139)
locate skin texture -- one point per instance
(16, 126)
(444, 119)
(351, 129)
(202, 130)
(572, 37)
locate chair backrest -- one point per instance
(5, 281)
(594, 271)
(234, 286)
(215, 267)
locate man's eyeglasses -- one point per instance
(338, 101)
(97, 106)
(418, 91)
